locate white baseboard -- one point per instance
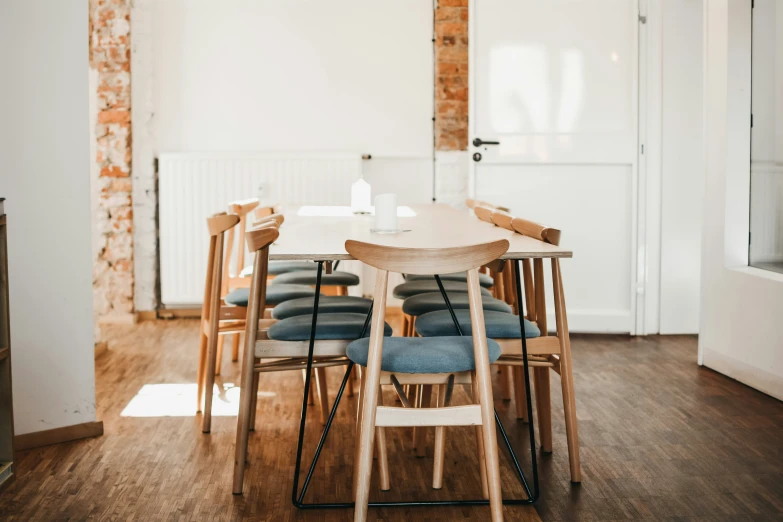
(595, 321)
(745, 373)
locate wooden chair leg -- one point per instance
(506, 378)
(414, 395)
(425, 401)
(253, 402)
(244, 419)
(209, 382)
(440, 441)
(543, 408)
(323, 393)
(480, 446)
(311, 396)
(202, 369)
(404, 327)
(491, 459)
(520, 393)
(219, 357)
(381, 450)
(349, 385)
(566, 377)
(235, 348)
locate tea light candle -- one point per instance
(386, 212)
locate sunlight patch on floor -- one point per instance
(179, 400)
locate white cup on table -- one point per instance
(386, 213)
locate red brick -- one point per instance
(114, 172)
(114, 117)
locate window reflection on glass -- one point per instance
(553, 73)
(766, 165)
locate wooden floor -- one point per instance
(661, 440)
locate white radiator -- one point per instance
(192, 186)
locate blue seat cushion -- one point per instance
(484, 280)
(423, 354)
(410, 288)
(274, 294)
(430, 302)
(302, 277)
(280, 267)
(328, 304)
(330, 327)
(498, 325)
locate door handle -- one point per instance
(478, 142)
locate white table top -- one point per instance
(319, 233)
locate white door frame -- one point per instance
(645, 170)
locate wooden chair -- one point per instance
(284, 346)
(468, 361)
(235, 262)
(544, 351)
(220, 318)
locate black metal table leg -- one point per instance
(298, 497)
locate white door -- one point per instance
(554, 83)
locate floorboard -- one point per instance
(661, 439)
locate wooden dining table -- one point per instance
(319, 233)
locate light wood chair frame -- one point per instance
(546, 352)
(262, 354)
(373, 415)
(219, 319)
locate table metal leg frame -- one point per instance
(297, 497)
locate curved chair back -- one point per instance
(502, 219)
(261, 237)
(262, 212)
(536, 231)
(220, 222)
(277, 218)
(242, 209)
(484, 213)
(426, 260)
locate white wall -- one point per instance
(682, 171)
(741, 331)
(44, 174)
(270, 76)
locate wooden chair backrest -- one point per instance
(242, 209)
(262, 212)
(484, 213)
(220, 222)
(258, 241)
(260, 237)
(502, 219)
(426, 260)
(279, 218)
(536, 231)
(217, 225)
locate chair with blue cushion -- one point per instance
(547, 351)
(235, 286)
(225, 313)
(339, 279)
(485, 280)
(285, 344)
(421, 304)
(327, 304)
(440, 361)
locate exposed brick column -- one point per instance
(451, 75)
(110, 62)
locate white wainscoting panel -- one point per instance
(591, 204)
